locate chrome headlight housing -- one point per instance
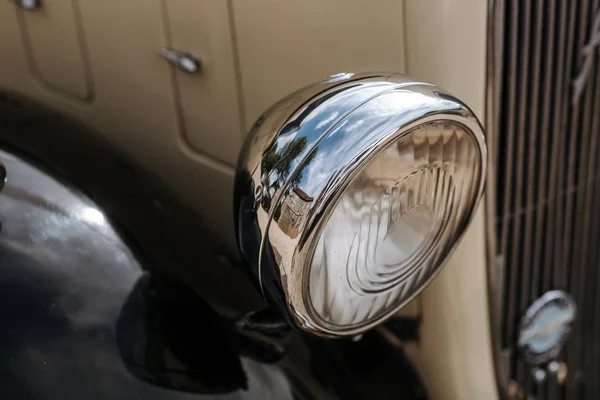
(352, 192)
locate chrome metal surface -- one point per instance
(341, 76)
(186, 62)
(539, 375)
(2, 176)
(300, 157)
(543, 107)
(496, 265)
(29, 5)
(553, 367)
(545, 327)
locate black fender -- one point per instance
(111, 288)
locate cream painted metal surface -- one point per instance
(208, 101)
(446, 45)
(255, 53)
(285, 45)
(53, 38)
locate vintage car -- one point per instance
(277, 199)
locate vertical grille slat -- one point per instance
(522, 190)
(518, 192)
(555, 38)
(595, 322)
(545, 147)
(562, 190)
(577, 138)
(532, 148)
(554, 138)
(574, 122)
(593, 199)
(540, 280)
(547, 181)
(583, 206)
(506, 179)
(552, 220)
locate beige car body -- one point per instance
(97, 61)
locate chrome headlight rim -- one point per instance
(307, 317)
(293, 272)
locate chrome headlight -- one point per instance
(351, 193)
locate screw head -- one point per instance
(553, 367)
(539, 375)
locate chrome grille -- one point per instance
(545, 190)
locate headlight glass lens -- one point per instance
(394, 226)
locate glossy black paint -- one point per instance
(138, 302)
(169, 336)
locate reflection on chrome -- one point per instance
(93, 215)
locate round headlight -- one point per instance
(351, 194)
